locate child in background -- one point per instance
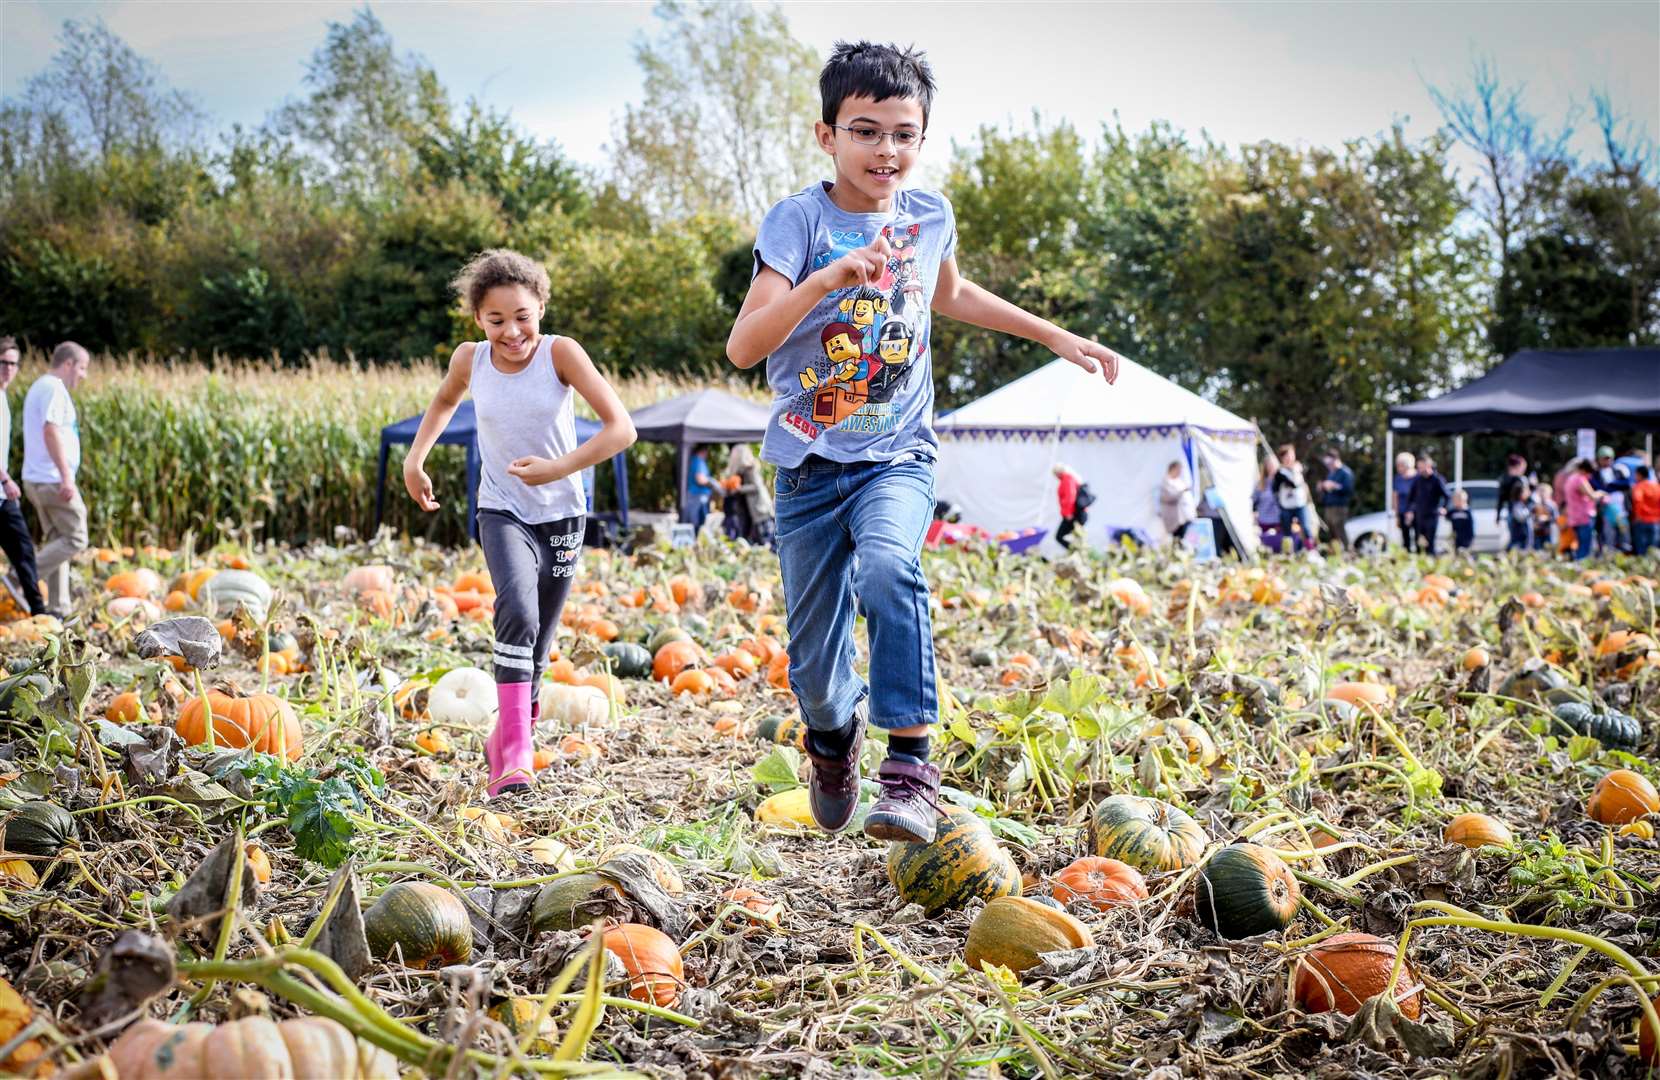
(1645, 511)
(530, 497)
(1462, 521)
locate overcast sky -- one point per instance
(1315, 73)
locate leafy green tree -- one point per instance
(486, 151)
(366, 109)
(726, 127)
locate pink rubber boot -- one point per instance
(510, 750)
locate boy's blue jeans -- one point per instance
(856, 530)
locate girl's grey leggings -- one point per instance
(532, 568)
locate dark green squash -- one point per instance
(1244, 890)
(573, 902)
(963, 863)
(426, 923)
(628, 659)
(38, 828)
(785, 730)
(1611, 728)
(983, 656)
(1149, 834)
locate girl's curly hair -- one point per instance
(499, 266)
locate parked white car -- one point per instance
(1370, 533)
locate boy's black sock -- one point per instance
(912, 748)
(831, 743)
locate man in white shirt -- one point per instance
(14, 531)
(51, 458)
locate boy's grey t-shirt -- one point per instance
(854, 382)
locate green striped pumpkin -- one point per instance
(963, 863)
(1149, 834)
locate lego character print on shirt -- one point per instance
(869, 346)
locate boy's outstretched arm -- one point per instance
(774, 308)
(958, 298)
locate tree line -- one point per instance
(1306, 287)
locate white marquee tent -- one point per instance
(997, 453)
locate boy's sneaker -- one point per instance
(909, 804)
(833, 781)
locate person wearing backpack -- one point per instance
(1075, 500)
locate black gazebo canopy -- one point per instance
(702, 416)
(1547, 390)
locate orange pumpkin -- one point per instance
(177, 600)
(140, 584)
(126, 708)
(561, 670)
(362, 579)
(1622, 796)
(762, 647)
(673, 658)
(685, 591)
(778, 671)
(258, 862)
(1370, 695)
(604, 629)
(1103, 883)
(1476, 659)
(694, 681)
(263, 721)
(759, 907)
(655, 970)
(739, 663)
(378, 603)
(1344, 971)
(474, 581)
(749, 598)
(433, 742)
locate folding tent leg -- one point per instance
(1389, 476)
(1458, 462)
(380, 486)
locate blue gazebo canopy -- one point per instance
(463, 431)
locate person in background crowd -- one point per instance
(1462, 521)
(734, 507)
(1337, 491)
(1291, 489)
(1580, 501)
(51, 460)
(14, 531)
(1426, 502)
(1399, 489)
(1544, 516)
(1514, 509)
(1613, 480)
(755, 502)
(699, 487)
(1645, 511)
(1267, 506)
(1074, 512)
(1177, 506)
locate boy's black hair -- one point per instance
(878, 72)
(1644, 472)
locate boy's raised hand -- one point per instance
(863, 266)
(1090, 355)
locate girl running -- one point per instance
(530, 497)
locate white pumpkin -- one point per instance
(136, 608)
(227, 590)
(464, 695)
(574, 706)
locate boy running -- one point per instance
(846, 277)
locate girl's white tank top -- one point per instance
(523, 415)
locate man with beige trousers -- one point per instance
(51, 458)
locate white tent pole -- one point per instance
(1388, 471)
(1648, 448)
(1458, 461)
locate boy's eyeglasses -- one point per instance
(8, 363)
(870, 136)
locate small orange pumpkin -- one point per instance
(655, 970)
(1344, 971)
(694, 681)
(263, 721)
(126, 708)
(1622, 796)
(1104, 883)
(674, 658)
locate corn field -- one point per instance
(244, 449)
